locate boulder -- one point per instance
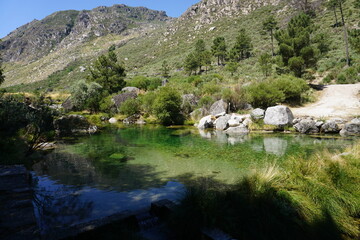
(318, 124)
(112, 120)
(122, 97)
(221, 123)
(279, 116)
(199, 113)
(67, 105)
(247, 122)
(241, 129)
(351, 129)
(131, 89)
(257, 114)
(70, 124)
(330, 126)
(306, 126)
(235, 120)
(218, 107)
(132, 119)
(355, 120)
(206, 122)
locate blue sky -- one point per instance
(14, 13)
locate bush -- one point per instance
(130, 107)
(206, 102)
(264, 94)
(140, 82)
(292, 87)
(167, 106)
(147, 102)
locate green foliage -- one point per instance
(165, 69)
(144, 83)
(191, 63)
(292, 87)
(354, 35)
(130, 107)
(232, 67)
(147, 101)
(107, 105)
(295, 46)
(218, 49)
(285, 88)
(206, 101)
(265, 64)
(297, 64)
(264, 95)
(108, 72)
(87, 95)
(270, 25)
(167, 106)
(242, 47)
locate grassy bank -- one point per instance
(318, 198)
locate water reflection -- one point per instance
(59, 206)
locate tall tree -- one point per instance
(200, 49)
(332, 5)
(340, 4)
(295, 45)
(218, 49)
(108, 72)
(242, 47)
(270, 25)
(265, 64)
(191, 63)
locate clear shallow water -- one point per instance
(126, 169)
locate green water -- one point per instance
(145, 157)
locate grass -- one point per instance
(317, 198)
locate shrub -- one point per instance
(292, 87)
(140, 82)
(147, 102)
(206, 102)
(167, 106)
(341, 79)
(130, 107)
(264, 95)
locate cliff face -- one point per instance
(61, 29)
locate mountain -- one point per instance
(63, 29)
(55, 51)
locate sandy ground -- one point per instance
(334, 101)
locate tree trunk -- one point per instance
(336, 19)
(345, 35)
(272, 42)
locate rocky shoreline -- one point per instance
(279, 117)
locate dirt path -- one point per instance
(334, 101)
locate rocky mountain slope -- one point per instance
(145, 38)
(63, 29)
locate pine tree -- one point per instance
(265, 64)
(332, 4)
(191, 63)
(295, 45)
(270, 25)
(108, 72)
(242, 48)
(165, 69)
(218, 50)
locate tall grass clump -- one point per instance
(316, 198)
